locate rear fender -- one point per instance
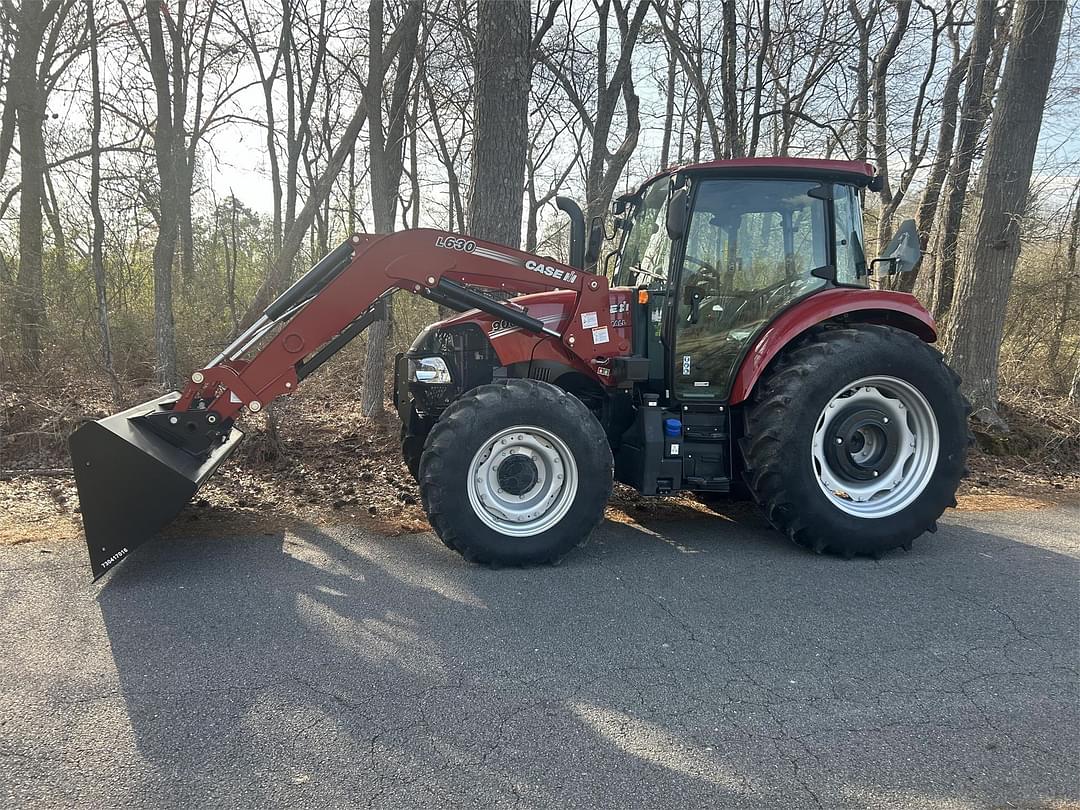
(843, 305)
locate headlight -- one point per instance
(431, 370)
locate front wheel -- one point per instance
(515, 473)
(856, 440)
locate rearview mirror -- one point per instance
(903, 251)
(676, 213)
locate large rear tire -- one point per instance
(856, 439)
(515, 473)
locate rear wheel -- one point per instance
(515, 473)
(856, 440)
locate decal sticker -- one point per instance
(502, 328)
(657, 316)
(604, 372)
(589, 320)
(686, 365)
(619, 306)
(701, 384)
(554, 272)
(600, 335)
(456, 243)
(675, 449)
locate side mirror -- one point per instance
(676, 213)
(903, 251)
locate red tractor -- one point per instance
(730, 346)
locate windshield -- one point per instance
(646, 246)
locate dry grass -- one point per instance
(328, 464)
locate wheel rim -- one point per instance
(522, 481)
(875, 446)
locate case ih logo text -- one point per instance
(548, 270)
(456, 243)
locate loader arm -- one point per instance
(137, 469)
(322, 312)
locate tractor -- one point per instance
(720, 337)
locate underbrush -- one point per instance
(314, 457)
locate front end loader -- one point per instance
(727, 344)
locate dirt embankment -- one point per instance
(316, 459)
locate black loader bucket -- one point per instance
(132, 481)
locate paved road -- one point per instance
(689, 664)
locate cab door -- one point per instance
(752, 247)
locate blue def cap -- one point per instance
(672, 428)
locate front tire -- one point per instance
(856, 440)
(515, 473)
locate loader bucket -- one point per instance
(131, 481)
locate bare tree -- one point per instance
(611, 84)
(385, 143)
(950, 103)
(972, 123)
(97, 239)
(42, 52)
(500, 139)
(974, 331)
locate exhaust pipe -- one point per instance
(132, 481)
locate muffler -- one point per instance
(132, 480)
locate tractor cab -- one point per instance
(721, 249)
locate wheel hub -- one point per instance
(517, 474)
(875, 447)
(522, 481)
(860, 442)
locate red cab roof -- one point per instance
(780, 163)
(856, 170)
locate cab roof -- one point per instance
(850, 171)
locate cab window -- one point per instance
(646, 246)
(850, 256)
(751, 250)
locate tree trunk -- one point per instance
(385, 161)
(862, 76)
(165, 244)
(972, 122)
(97, 259)
(973, 335)
(669, 88)
(928, 205)
(28, 103)
(733, 142)
(501, 114)
(1069, 284)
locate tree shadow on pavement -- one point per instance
(697, 664)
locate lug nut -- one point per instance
(173, 420)
(211, 419)
(197, 377)
(839, 440)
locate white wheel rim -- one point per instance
(522, 481)
(875, 447)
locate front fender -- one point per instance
(851, 305)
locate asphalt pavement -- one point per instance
(698, 663)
